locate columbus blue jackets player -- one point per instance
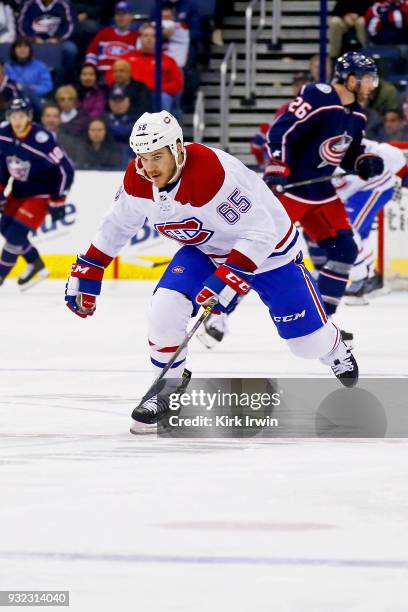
(42, 175)
(323, 129)
(234, 235)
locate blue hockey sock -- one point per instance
(30, 253)
(332, 283)
(8, 258)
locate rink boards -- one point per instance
(147, 254)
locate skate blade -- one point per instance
(356, 301)
(35, 280)
(143, 429)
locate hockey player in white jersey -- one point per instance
(235, 235)
(363, 201)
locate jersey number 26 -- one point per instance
(299, 108)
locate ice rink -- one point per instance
(128, 523)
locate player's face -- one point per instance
(160, 166)
(367, 85)
(20, 122)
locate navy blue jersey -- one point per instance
(315, 135)
(36, 163)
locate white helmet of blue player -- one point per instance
(153, 131)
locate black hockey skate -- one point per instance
(355, 289)
(213, 330)
(343, 365)
(346, 336)
(37, 270)
(354, 294)
(374, 283)
(152, 409)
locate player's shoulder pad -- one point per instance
(320, 94)
(41, 135)
(135, 184)
(202, 177)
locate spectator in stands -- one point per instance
(395, 128)
(187, 11)
(314, 68)
(97, 150)
(88, 23)
(92, 97)
(138, 93)
(113, 42)
(176, 35)
(32, 75)
(387, 22)
(120, 120)
(9, 89)
(222, 9)
(75, 121)
(375, 123)
(384, 98)
(143, 63)
(51, 21)
(51, 120)
(347, 15)
(7, 24)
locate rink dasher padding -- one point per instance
(147, 254)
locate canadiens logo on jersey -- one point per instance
(18, 168)
(334, 149)
(189, 231)
(111, 50)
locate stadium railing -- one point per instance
(199, 117)
(226, 86)
(251, 37)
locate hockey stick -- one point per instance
(156, 387)
(144, 263)
(320, 179)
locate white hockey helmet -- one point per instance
(152, 131)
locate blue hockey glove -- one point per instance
(369, 165)
(56, 208)
(226, 285)
(84, 285)
(276, 173)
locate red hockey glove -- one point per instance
(276, 173)
(226, 285)
(84, 285)
(56, 208)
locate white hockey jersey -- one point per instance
(217, 205)
(394, 162)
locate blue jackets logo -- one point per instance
(18, 168)
(334, 149)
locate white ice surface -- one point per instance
(188, 526)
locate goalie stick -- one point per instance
(156, 386)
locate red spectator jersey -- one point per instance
(109, 45)
(143, 69)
